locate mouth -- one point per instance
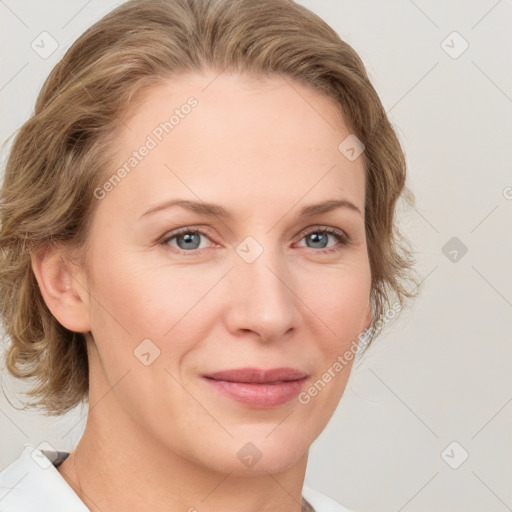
(258, 388)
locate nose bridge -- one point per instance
(263, 299)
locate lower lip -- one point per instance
(262, 396)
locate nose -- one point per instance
(262, 298)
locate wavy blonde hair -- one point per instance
(61, 154)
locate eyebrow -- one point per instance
(218, 211)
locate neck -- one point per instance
(116, 476)
(117, 466)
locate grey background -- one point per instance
(441, 373)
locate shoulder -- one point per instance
(322, 503)
(32, 483)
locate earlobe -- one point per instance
(62, 292)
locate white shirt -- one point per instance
(32, 484)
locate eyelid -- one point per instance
(202, 230)
(328, 229)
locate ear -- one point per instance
(64, 292)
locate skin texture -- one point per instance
(158, 437)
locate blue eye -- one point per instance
(188, 240)
(322, 235)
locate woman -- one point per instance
(197, 234)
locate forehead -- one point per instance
(228, 135)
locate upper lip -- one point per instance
(258, 375)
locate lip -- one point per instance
(258, 375)
(259, 388)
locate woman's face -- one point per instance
(178, 293)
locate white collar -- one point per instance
(33, 484)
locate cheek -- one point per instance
(339, 299)
(137, 301)
(338, 304)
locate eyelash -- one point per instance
(339, 235)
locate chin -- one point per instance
(258, 455)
